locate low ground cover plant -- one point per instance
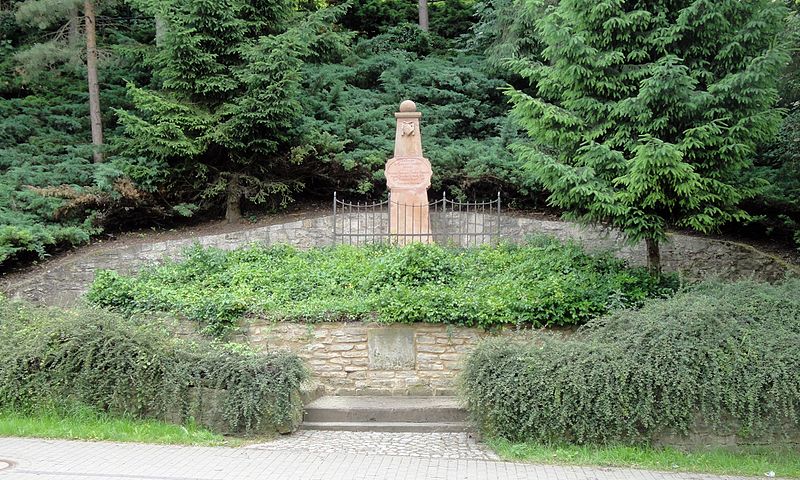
(136, 368)
(541, 283)
(724, 355)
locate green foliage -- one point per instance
(641, 114)
(51, 195)
(645, 113)
(503, 31)
(448, 18)
(45, 13)
(726, 354)
(35, 152)
(776, 208)
(130, 367)
(39, 147)
(350, 106)
(542, 283)
(220, 117)
(246, 100)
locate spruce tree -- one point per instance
(223, 112)
(644, 113)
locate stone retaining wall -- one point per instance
(373, 359)
(425, 359)
(703, 436)
(63, 281)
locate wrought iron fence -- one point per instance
(444, 221)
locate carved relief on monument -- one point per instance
(410, 173)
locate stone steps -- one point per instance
(386, 414)
(397, 427)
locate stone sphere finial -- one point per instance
(408, 106)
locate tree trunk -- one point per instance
(73, 32)
(653, 256)
(161, 30)
(233, 211)
(94, 86)
(423, 14)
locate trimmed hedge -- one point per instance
(541, 283)
(728, 355)
(128, 366)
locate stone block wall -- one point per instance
(63, 281)
(728, 434)
(373, 359)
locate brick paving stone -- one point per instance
(63, 459)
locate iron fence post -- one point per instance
(497, 237)
(389, 218)
(334, 218)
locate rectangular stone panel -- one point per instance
(391, 348)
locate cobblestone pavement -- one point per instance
(432, 445)
(61, 459)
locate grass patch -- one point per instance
(83, 423)
(753, 461)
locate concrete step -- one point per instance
(387, 414)
(430, 427)
(385, 409)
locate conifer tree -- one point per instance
(644, 113)
(225, 114)
(64, 14)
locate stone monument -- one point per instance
(408, 176)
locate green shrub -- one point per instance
(776, 208)
(541, 283)
(726, 354)
(131, 367)
(350, 106)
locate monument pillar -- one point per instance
(408, 176)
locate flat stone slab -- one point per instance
(386, 414)
(371, 402)
(391, 348)
(389, 427)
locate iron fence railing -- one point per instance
(444, 221)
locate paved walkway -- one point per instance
(61, 459)
(456, 446)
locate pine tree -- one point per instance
(52, 195)
(64, 13)
(644, 113)
(227, 109)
